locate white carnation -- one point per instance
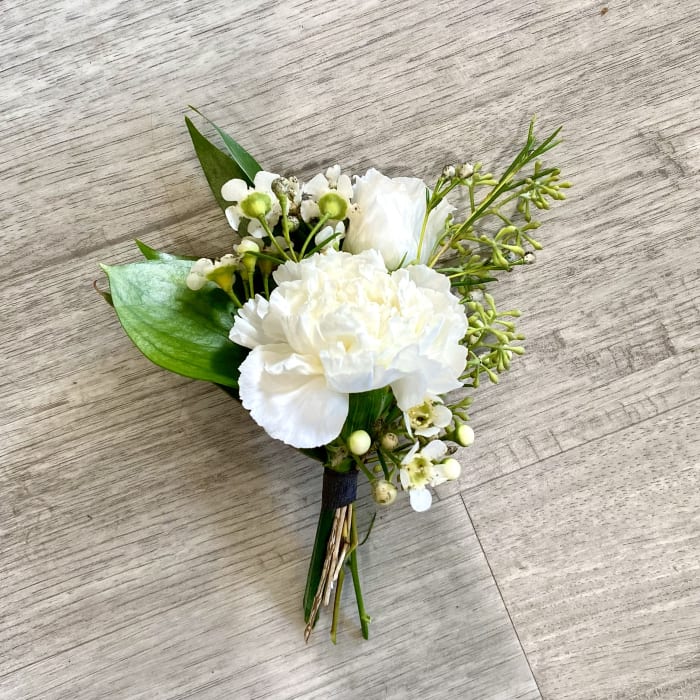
(339, 324)
(388, 217)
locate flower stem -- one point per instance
(336, 605)
(321, 222)
(352, 561)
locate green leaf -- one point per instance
(105, 295)
(153, 254)
(364, 410)
(245, 161)
(217, 166)
(176, 328)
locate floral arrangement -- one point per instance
(351, 317)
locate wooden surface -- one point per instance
(153, 541)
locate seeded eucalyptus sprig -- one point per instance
(496, 235)
(477, 249)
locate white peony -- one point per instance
(388, 217)
(339, 324)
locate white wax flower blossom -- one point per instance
(388, 216)
(327, 194)
(428, 418)
(204, 270)
(251, 203)
(420, 469)
(339, 324)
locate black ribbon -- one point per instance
(338, 489)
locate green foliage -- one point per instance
(218, 167)
(153, 254)
(180, 330)
(248, 165)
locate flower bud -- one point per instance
(464, 170)
(448, 171)
(383, 492)
(256, 205)
(333, 205)
(529, 258)
(280, 187)
(464, 435)
(244, 249)
(451, 469)
(390, 441)
(359, 442)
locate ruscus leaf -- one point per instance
(245, 161)
(217, 166)
(178, 329)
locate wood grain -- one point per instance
(153, 541)
(596, 553)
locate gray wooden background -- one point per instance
(153, 541)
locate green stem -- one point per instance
(264, 224)
(319, 225)
(364, 617)
(382, 461)
(336, 605)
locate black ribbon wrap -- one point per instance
(338, 489)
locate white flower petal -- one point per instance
(442, 416)
(434, 450)
(234, 190)
(255, 229)
(263, 181)
(411, 453)
(430, 431)
(317, 186)
(233, 216)
(284, 395)
(332, 175)
(344, 187)
(248, 328)
(309, 210)
(421, 499)
(195, 282)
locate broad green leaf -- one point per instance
(153, 254)
(180, 330)
(245, 161)
(217, 166)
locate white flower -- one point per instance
(421, 469)
(338, 324)
(327, 194)
(251, 203)
(428, 418)
(220, 272)
(388, 216)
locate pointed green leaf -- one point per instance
(364, 410)
(153, 254)
(176, 328)
(245, 161)
(217, 166)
